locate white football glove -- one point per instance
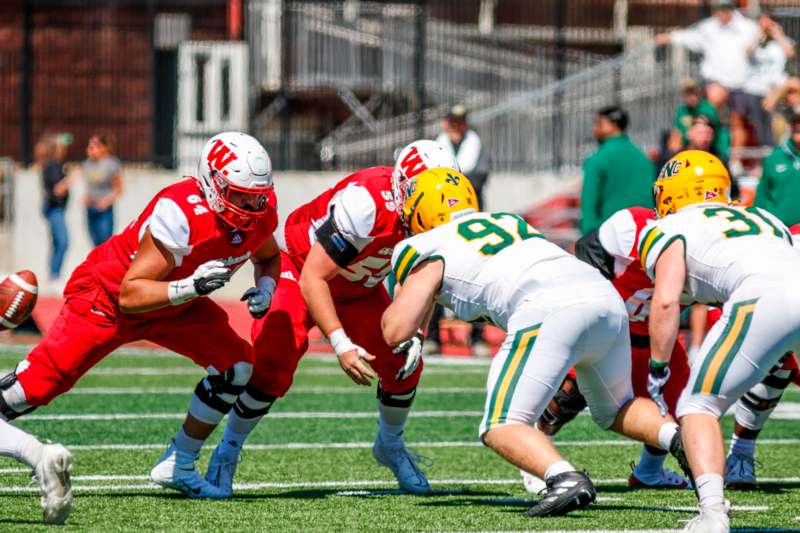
(207, 278)
(412, 350)
(259, 298)
(656, 381)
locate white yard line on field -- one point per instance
(347, 484)
(286, 414)
(198, 371)
(366, 445)
(785, 411)
(733, 530)
(294, 390)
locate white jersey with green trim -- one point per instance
(726, 247)
(492, 263)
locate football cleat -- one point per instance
(175, 470)
(740, 472)
(52, 472)
(404, 465)
(565, 492)
(222, 468)
(664, 479)
(713, 519)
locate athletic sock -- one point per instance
(20, 445)
(559, 467)
(650, 464)
(665, 435)
(186, 444)
(391, 424)
(709, 490)
(742, 446)
(237, 430)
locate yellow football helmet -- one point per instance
(433, 196)
(691, 177)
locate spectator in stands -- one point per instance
(102, 172)
(693, 105)
(723, 40)
(768, 55)
(617, 175)
(779, 188)
(49, 153)
(463, 141)
(784, 103)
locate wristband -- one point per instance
(341, 342)
(658, 364)
(181, 291)
(659, 368)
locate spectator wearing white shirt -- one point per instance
(467, 148)
(723, 40)
(768, 55)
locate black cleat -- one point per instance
(677, 451)
(565, 492)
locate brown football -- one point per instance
(18, 293)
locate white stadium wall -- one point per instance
(26, 244)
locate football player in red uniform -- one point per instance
(148, 282)
(613, 249)
(338, 252)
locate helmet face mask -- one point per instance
(414, 159)
(235, 174)
(690, 177)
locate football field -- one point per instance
(308, 466)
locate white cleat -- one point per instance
(52, 472)
(740, 472)
(533, 484)
(222, 468)
(713, 519)
(404, 465)
(664, 479)
(176, 470)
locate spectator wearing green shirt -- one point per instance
(779, 188)
(617, 175)
(693, 106)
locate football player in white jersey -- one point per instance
(740, 258)
(558, 313)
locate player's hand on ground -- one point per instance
(412, 351)
(354, 363)
(210, 276)
(258, 301)
(656, 381)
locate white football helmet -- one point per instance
(235, 173)
(416, 158)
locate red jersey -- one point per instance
(619, 236)
(366, 223)
(180, 219)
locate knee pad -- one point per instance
(12, 398)
(216, 393)
(753, 409)
(252, 403)
(565, 405)
(391, 399)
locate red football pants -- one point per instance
(280, 338)
(82, 335)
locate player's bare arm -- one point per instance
(665, 312)
(266, 270)
(666, 305)
(413, 304)
(319, 268)
(143, 289)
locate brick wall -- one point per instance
(91, 71)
